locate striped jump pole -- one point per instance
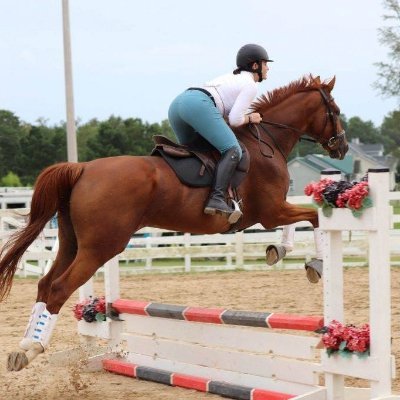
(192, 382)
(219, 315)
(237, 354)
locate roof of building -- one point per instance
(319, 162)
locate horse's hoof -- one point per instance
(16, 361)
(274, 253)
(314, 270)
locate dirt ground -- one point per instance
(283, 291)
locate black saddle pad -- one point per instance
(189, 170)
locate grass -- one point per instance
(396, 210)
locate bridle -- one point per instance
(332, 143)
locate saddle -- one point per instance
(195, 165)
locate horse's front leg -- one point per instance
(289, 215)
(275, 252)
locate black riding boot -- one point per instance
(222, 178)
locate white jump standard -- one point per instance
(240, 354)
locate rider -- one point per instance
(210, 110)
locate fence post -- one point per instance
(188, 259)
(149, 260)
(239, 248)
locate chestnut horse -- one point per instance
(102, 203)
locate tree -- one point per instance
(388, 82)
(10, 180)
(363, 130)
(116, 136)
(41, 147)
(86, 132)
(390, 129)
(11, 132)
(112, 139)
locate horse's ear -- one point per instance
(317, 80)
(331, 84)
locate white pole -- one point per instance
(72, 153)
(69, 96)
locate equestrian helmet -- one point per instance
(249, 54)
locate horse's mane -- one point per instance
(276, 96)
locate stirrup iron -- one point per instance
(236, 213)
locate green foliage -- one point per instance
(364, 130)
(10, 180)
(27, 149)
(41, 147)
(388, 83)
(11, 133)
(390, 130)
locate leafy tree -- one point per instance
(388, 82)
(390, 129)
(11, 132)
(112, 139)
(85, 133)
(116, 136)
(10, 180)
(364, 130)
(41, 147)
(166, 130)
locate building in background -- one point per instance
(354, 166)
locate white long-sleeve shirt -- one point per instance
(233, 95)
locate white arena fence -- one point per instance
(184, 252)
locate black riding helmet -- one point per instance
(249, 54)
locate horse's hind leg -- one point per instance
(87, 261)
(65, 256)
(62, 286)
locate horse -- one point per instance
(101, 203)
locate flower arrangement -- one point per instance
(330, 194)
(91, 309)
(346, 339)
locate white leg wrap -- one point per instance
(44, 328)
(288, 237)
(318, 238)
(37, 310)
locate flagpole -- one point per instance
(69, 94)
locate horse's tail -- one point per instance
(52, 192)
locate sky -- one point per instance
(131, 58)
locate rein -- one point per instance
(257, 136)
(263, 124)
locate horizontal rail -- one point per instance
(192, 382)
(219, 315)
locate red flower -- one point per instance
(316, 189)
(346, 337)
(100, 305)
(354, 197)
(79, 308)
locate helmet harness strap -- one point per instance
(259, 71)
